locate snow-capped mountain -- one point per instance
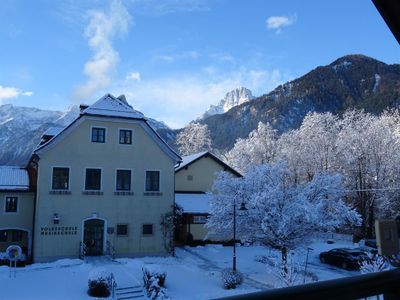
(233, 98)
(21, 129)
(352, 81)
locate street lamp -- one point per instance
(241, 208)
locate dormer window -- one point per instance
(98, 135)
(125, 136)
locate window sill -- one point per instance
(97, 193)
(152, 193)
(123, 193)
(60, 192)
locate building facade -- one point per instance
(102, 185)
(194, 179)
(17, 205)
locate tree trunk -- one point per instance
(284, 259)
(371, 219)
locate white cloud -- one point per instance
(167, 58)
(135, 76)
(192, 55)
(12, 92)
(277, 22)
(180, 98)
(157, 7)
(226, 57)
(102, 28)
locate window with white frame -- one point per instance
(152, 181)
(11, 204)
(125, 136)
(122, 229)
(98, 135)
(60, 179)
(147, 229)
(93, 179)
(123, 180)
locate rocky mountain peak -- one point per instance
(233, 98)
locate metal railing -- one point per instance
(113, 284)
(82, 250)
(110, 250)
(384, 283)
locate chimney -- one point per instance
(82, 107)
(122, 98)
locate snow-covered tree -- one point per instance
(258, 148)
(289, 276)
(368, 153)
(312, 148)
(195, 137)
(373, 264)
(281, 213)
(363, 148)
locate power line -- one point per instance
(372, 190)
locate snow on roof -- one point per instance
(188, 159)
(194, 203)
(111, 106)
(52, 131)
(13, 178)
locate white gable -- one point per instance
(107, 108)
(111, 106)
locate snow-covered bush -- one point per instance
(373, 264)
(154, 282)
(231, 278)
(100, 282)
(169, 222)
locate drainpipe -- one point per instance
(35, 166)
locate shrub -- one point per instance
(231, 278)
(154, 282)
(373, 264)
(100, 281)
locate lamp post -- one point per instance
(242, 208)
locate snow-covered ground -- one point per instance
(194, 272)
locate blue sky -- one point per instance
(173, 58)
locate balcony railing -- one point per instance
(386, 284)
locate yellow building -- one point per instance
(101, 186)
(194, 179)
(17, 204)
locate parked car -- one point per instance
(344, 258)
(369, 245)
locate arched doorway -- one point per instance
(94, 236)
(16, 236)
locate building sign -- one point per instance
(14, 252)
(59, 230)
